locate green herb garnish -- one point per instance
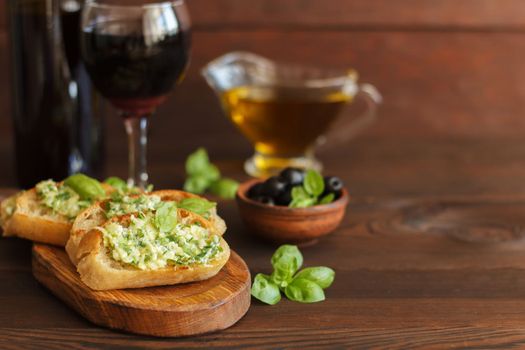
(265, 290)
(310, 192)
(313, 183)
(117, 183)
(305, 286)
(304, 291)
(86, 187)
(166, 216)
(202, 175)
(122, 188)
(329, 198)
(224, 188)
(199, 206)
(196, 184)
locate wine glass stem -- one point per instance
(137, 130)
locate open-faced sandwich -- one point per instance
(46, 212)
(149, 239)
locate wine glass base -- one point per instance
(262, 166)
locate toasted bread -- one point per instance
(7, 209)
(95, 216)
(33, 221)
(100, 272)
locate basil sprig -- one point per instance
(202, 175)
(224, 187)
(310, 192)
(86, 187)
(305, 286)
(117, 183)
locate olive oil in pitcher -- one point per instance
(282, 122)
(285, 109)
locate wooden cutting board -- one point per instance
(168, 311)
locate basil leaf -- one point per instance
(313, 183)
(287, 257)
(299, 193)
(86, 187)
(321, 275)
(166, 216)
(302, 203)
(197, 162)
(196, 184)
(304, 291)
(301, 198)
(282, 275)
(117, 183)
(211, 172)
(225, 188)
(265, 290)
(285, 251)
(329, 198)
(199, 206)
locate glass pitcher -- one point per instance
(286, 110)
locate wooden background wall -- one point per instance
(447, 68)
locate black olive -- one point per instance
(333, 184)
(273, 187)
(285, 198)
(255, 190)
(265, 200)
(292, 176)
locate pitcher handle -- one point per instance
(343, 133)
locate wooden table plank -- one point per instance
(384, 14)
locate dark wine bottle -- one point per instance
(56, 113)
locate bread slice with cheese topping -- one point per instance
(102, 211)
(163, 245)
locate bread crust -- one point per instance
(5, 214)
(99, 272)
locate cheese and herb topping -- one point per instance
(128, 204)
(131, 204)
(61, 199)
(70, 197)
(153, 240)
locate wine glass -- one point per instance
(135, 52)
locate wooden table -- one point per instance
(414, 269)
(429, 254)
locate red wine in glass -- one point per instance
(134, 56)
(134, 71)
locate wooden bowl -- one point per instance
(280, 224)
